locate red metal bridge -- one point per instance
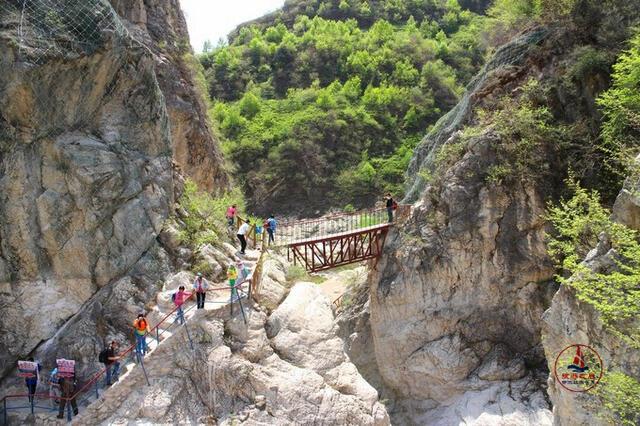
(336, 240)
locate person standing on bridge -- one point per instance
(200, 286)
(390, 203)
(231, 214)
(271, 228)
(242, 232)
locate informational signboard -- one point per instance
(27, 369)
(66, 367)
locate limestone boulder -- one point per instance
(273, 283)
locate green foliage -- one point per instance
(297, 102)
(205, 222)
(296, 273)
(619, 395)
(527, 134)
(613, 292)
(621, 108)
(513, 12)
(589, 61)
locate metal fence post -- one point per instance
(144, 370)
(4, 411)
(31, 401)
(68, 408)
(96, 385)
(188, 335)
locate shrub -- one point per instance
(621, 108)
(578, 223)
(620, 398)
(205, 222)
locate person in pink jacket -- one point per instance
(179, 298)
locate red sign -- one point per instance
(27, 369)
(66, 367)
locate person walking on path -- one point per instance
(232, 275)
(242, 236)
(231, 214)
(200, 286)
(110, 360)
(32, 379)
(271, 228)
(68, 389)
(179, 298)
(243, 271)
(54, 387)
(141, 326)
(390, 204)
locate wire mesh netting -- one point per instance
(47, 29)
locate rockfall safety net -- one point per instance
(48, 29)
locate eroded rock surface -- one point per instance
(92, 121)
(569, 322)
(286, 368)
(455, 303)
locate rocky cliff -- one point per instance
(92, 115)
(161, 26)
(455, 306)
(569, 321)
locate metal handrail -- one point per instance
(96, 376)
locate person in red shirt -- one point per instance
(179, 298)
(231, 214)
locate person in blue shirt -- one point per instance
(271, 228)
(32, 381)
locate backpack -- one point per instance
(394, 206)
(173, 297)
(266, 225)
(103, 356)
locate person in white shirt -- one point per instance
(242, 232)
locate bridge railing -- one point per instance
(293, 231)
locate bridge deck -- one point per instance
(319, 239)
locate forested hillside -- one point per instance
(321, 104)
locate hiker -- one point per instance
(242, 236)
(200, 286)
(54, 387)
(390, 204)
(231, 214)
(179, 298)
(31, 380)
(68, 390)
(271, 228)
(109, 357)
(141, 326)
(232, 275)
(243, 272)
(67, 378)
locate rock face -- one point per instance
(455, 303)
(286, 368)
(89, 124)
(161, 26)
(569, 321)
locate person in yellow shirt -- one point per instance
(232, 275)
